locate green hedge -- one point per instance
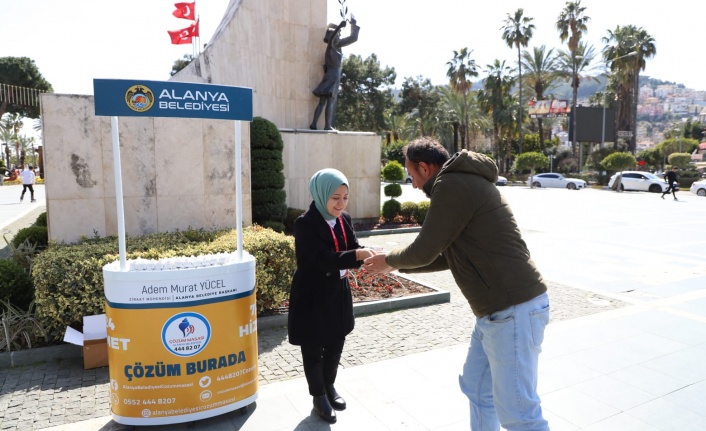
(15, 284)
(68, 279)
(390, 210)
(422, 208)
(38, 236)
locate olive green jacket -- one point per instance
(470, 229)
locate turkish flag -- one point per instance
(184, 35)
(185, 10)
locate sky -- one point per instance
(74, 41)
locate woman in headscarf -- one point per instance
(320, 303)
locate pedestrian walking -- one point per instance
(470, 229)
(672, 180)
(28, 179)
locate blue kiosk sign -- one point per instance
(134, 98)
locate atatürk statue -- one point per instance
(327, 90)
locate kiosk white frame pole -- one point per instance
(118, 191)
(238, 191)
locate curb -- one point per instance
(40, 354)
(362, 308)
(69, 351)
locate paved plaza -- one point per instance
(627, 277)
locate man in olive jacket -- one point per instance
(470, 229)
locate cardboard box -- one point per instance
(93, 339)
(95, 353)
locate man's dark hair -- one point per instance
(426, 149)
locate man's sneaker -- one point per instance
(21, 199)
(33, 200)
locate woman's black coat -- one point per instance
(320, 302)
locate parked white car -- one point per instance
(640, 181)
(556, 180)
(502, 181)
(698, 187)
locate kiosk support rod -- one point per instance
(238, 191)
(118, 191)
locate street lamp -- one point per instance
(551, 162)
(605, 93)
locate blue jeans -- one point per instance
(500, 374)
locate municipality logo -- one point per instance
(139, 98)
(186, 334)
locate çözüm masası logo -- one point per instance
(186, 334)
(139, 98)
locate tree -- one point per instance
(574, 65)
(21, 72)
(7, 137)
(620, 43)
(460, 70)
(453, 106)
(542, 75)
(531, 160)
(365, 94)
(421, 101)
(680, 160)
(517, 32)
(12, 122)
(571, 25)
(494, 99)
(618, 162)
(181, 64)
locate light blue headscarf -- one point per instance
(322, 185)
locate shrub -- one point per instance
(393, 171)
(266, 177)
(408, 211)
(422, 208)
(15, 284)
(292, 215)
(41, 220)
(274, 225)
(390, 209)
(394, 151)
(38, 236)
(393, 190)
(19, 328)
(68, 279)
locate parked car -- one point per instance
(699, 187)
(640, 181)
(556, 180)
(502, 181)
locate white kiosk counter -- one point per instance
(182, 338)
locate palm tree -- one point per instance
(24, 144)
(454, 104)
(576, 66)
(13, 123)
(461, 69)
(571, 25)
(621, 43)
(542, 74)
(517, 32)
(494, 97)
(7, 137)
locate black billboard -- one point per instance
(589, 124)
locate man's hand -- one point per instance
(377, 264)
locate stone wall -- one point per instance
(179, 173)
